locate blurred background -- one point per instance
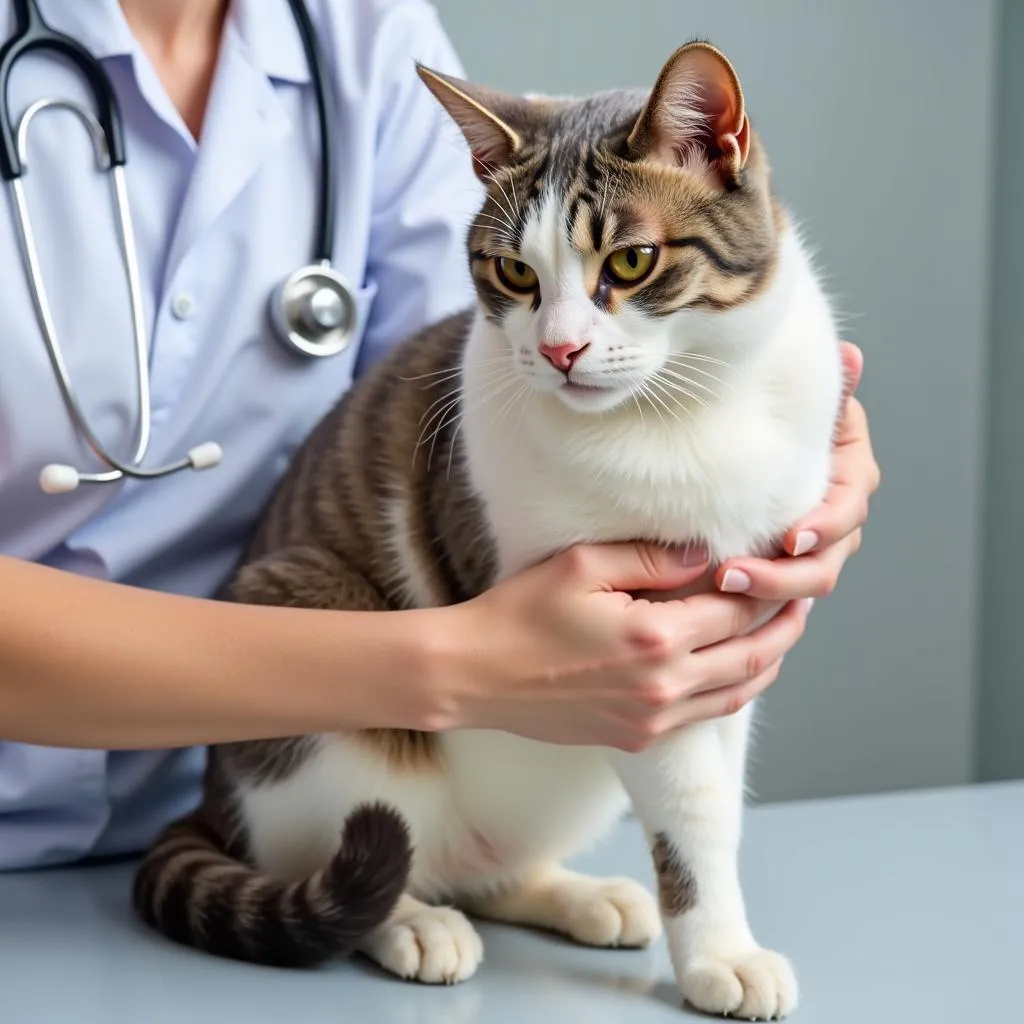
(896, 136)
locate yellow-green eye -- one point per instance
(516, 275)
(632, 264)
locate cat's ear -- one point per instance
(695, 110)
(482, 114)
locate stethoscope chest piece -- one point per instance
(313, 311)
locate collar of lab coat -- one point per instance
(265, 27)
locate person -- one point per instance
(116, 663)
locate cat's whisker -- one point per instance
(639, 407)
(514, 211)
(498, 364)
(505, 207)
(702, 372)
(499, 415)
(494, 374)
(700, 357)
(522, 409)
(663, 372)
(614, 191)
(650, 401)
(453, 399)
(454, 371)
(515, 198)
(455, 394)
(453, 408)
(669, 386)
(461, 417)
(661, 401)
(452, 402)
(503, 222)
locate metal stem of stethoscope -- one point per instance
(56, 477)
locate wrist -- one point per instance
(442, 680)
(404, 670)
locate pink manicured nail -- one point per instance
(736, 581)
(806, 540)
(694, 556)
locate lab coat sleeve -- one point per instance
(425, 194)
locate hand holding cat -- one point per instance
(818, 546)
(571, 657)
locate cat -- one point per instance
(652, 356)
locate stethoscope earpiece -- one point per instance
(57, 478)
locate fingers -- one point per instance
(720, 703)
(632, 567)
(745, 658)
(702, 706)
(790, 579)
(853, 369)
(832, 530)
(855, 477)
(708, 619)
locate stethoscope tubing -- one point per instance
(105, 128)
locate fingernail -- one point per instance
(736, 581)
(692, 556)
(808, 604)
(806, 540)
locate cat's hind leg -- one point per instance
(435, 945)
(593, 911)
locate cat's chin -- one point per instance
(589, 399)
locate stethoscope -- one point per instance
(312, 312)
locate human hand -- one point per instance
(818, 546)
(562, 652)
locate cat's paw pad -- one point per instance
(611, 912)
(436, 945)
(756, 985)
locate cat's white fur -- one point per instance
(733, 467)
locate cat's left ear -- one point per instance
(695, 109)
(485, 117)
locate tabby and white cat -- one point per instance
(652, 356)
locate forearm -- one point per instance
(85, 663)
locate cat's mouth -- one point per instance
(590, 397)
(572, 388)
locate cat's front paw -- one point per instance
(435, 945)
(756, 985)
(610, 912)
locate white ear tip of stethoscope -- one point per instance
(205, 456)
(57, 479)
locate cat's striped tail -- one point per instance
(191, 891)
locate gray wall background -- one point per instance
(1000, 748)
(879, 119)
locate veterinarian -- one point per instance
(115, 665)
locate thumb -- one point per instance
(634, 566)
(853, 368)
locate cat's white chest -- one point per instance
(733, 483)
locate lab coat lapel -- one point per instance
(244, 123)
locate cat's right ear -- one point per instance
(482, 115)
(695, 111)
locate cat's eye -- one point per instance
(631, 265)
(516, 275)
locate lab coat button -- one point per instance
(183, 305)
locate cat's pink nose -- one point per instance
(562, 356)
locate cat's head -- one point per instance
(612, 223)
